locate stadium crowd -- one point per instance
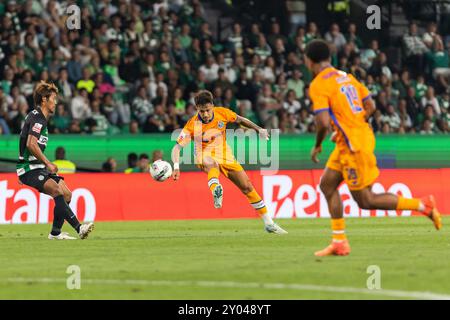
(134, 66)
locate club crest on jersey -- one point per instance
(220, 124)
(37, 128)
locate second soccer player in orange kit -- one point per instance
(342, 100)
(207, 130)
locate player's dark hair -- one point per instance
(203, 97)
(43, 90)
(318, 51)
(143, 156)
(132, 159)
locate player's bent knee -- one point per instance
(58, 191)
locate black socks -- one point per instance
(63, 212)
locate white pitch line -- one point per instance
(246, 285)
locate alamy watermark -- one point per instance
(74, 279)
(229, 146)
(374, 280)
(373, 22)
(73, 21)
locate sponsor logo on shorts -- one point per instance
(41, 177)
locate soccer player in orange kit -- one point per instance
(339, 98)
(207, 130)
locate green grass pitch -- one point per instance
(227, 259)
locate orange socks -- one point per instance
(213, 178)
(338, 227)
(256, 202)
(408, 204)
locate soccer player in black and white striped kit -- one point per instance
(35, 170)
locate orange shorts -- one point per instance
(359, 169)
(225, 167)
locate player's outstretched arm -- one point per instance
(322, 124)
(250, 124)
(33, 147)
(176, 161)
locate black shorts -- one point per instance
(38, 177)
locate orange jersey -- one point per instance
(341, 95)
(211, 135)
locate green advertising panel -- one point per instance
(393, 151)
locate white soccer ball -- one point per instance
(160, 170)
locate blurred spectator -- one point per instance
(210, 69)
(143, 165)
(3, 113)
(60, 122)
(18, 121)
(132, 160)
(134, 127)
(157, 155)
(291, 105)
(368, 55)
(312, 33)
(405, 119)
(296, 84)
(75, 127)
(420, 87)
(142, 107)
(414, 50)
(97, 123)
(263, 50)
(429, 120)
(79, 105)
(110, 165)
(268, 106)
(65, 88)
(439, 63)
(335, 37)
(391, 118)
(412, 106)
(352, 36)
(159, 122)
(430, 35)
(74, 67)
(275, 35)
(235, 40)
(376, 121)
(427, 127)
(86, 82)
(64, 165)
(430, 99)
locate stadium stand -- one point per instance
(134, 66)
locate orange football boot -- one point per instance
(341, 248)
(431, 211)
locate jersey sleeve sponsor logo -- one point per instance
(220, 124)
(37, 128)
(182, 136)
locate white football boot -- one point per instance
(61, 236)
(85, 229)
(274, 228)
(218, 196)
